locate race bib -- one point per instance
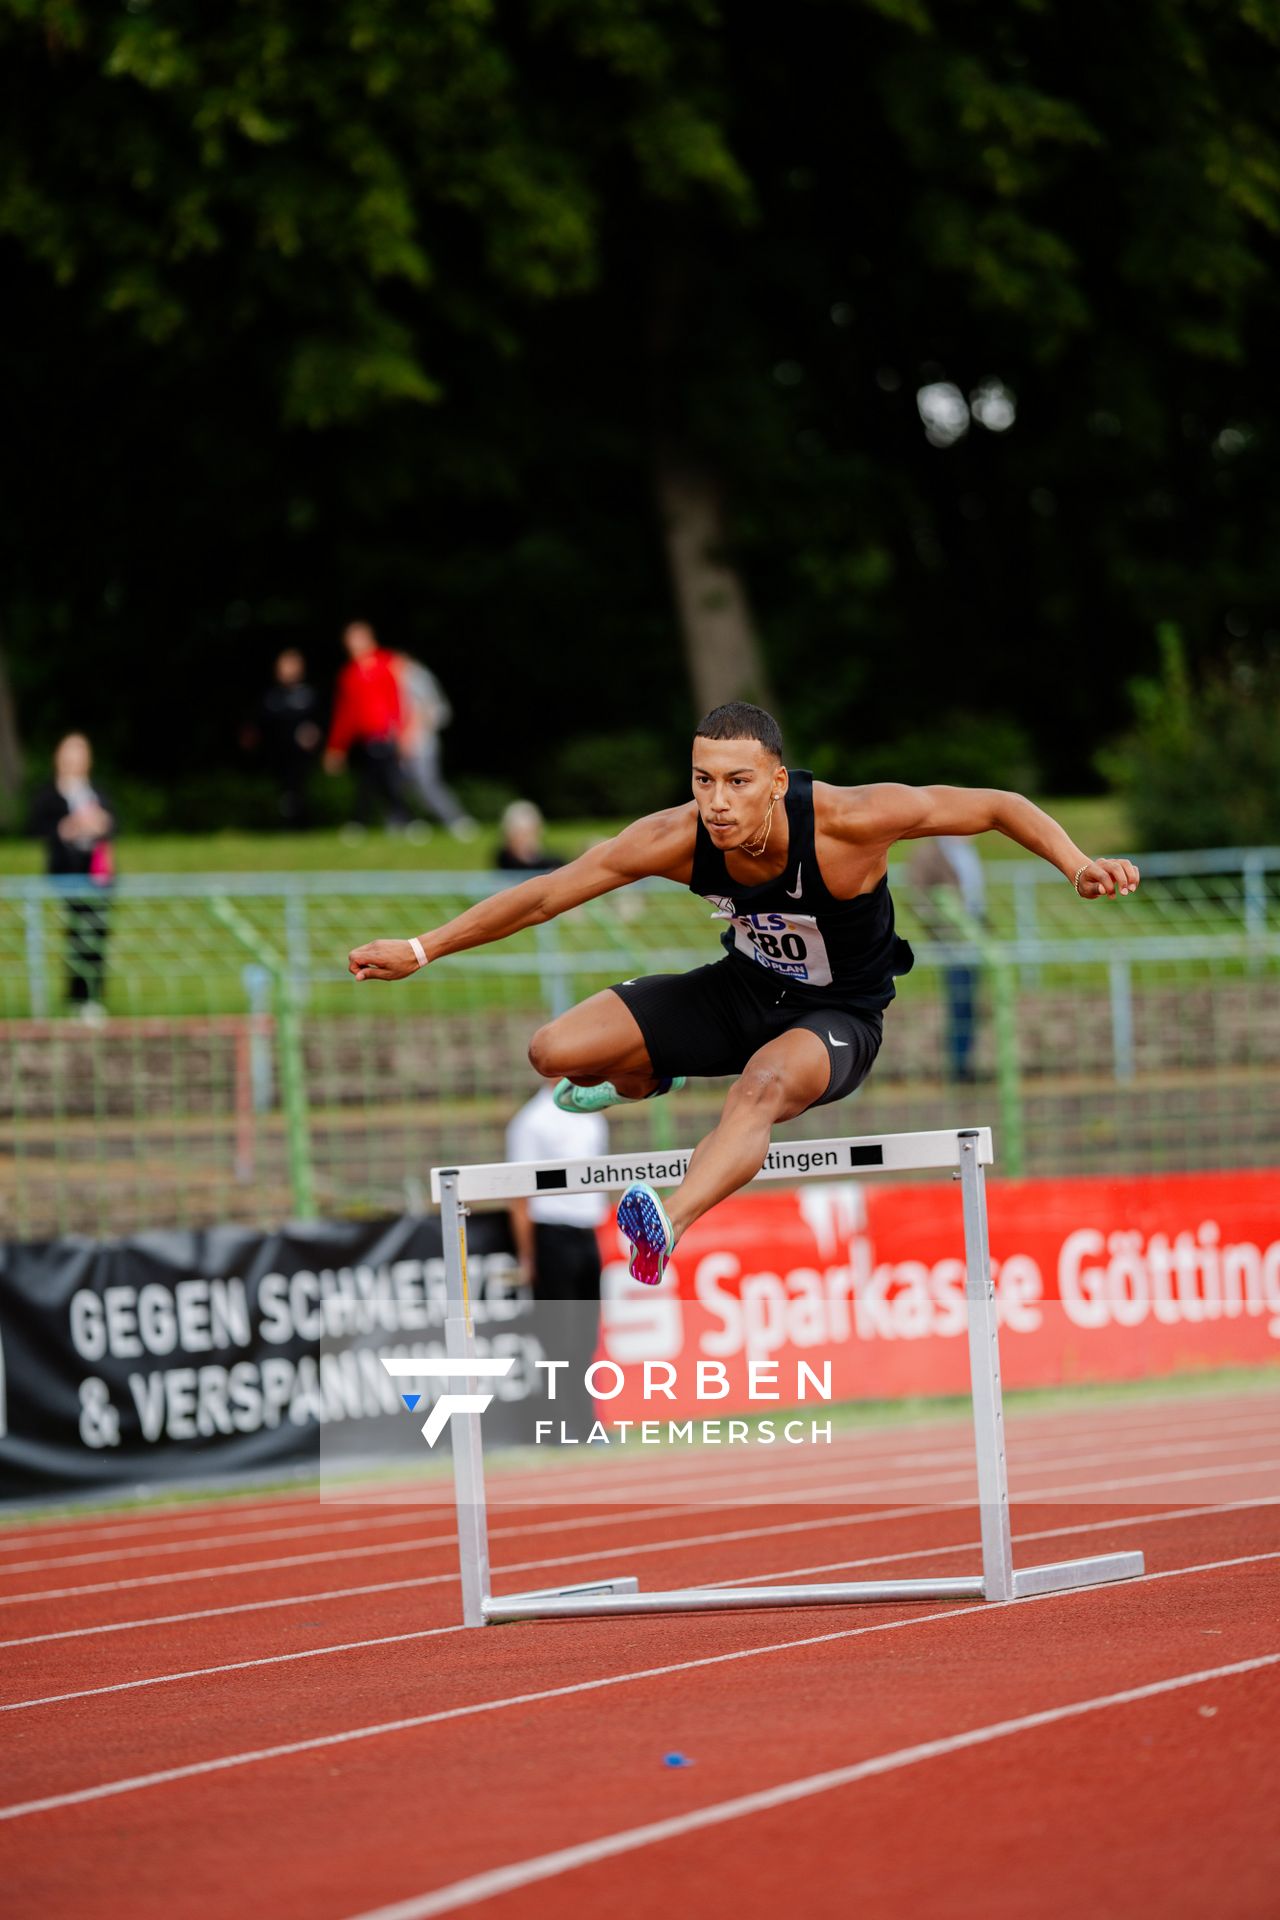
(786, 943)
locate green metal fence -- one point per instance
(240, 1073)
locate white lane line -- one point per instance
(218, 1613)
(1124, 1524)
(231, 1666)
(547, 1866)
(813, 1479)
(207, 1542)
(750, 1478)
(339, 1526)
(1163, 1517)
(538, 1565)
(866, 1443)
(184, 1513)
(651, 1478)
(1143, 1480)
(798, 1496)
(419, 1544)
(167, 1776)
(671, 1545)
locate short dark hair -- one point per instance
(739, 720)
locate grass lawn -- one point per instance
(1097, 823)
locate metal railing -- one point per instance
(240, 1074)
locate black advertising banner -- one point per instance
(177, 1355)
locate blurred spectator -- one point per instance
(424, 713)
(287, 729)
(955, 864)
(367, 720)
(74, 819)
(521, 849)
(557, 1251)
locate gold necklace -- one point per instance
(755, 852)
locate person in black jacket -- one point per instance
(287, 730)
(73, 818)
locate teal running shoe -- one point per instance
(643, 1218)
(571, 1099)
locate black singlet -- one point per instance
(791, 929)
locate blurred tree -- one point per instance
(1201, 764)
(949, 328)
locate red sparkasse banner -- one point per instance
(1096, 1279)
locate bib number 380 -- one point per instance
(786, 945)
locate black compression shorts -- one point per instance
(710, 1022)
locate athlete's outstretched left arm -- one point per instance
(891, 812)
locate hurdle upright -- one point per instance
(965, 1153)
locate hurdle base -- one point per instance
(1100, 1570)
(622, 1594)
(530, 1605)
(722, 1599)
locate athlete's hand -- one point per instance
(382, 960)
(1110, 877)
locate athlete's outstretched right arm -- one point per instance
(653, 846)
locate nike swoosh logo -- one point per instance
(835, 1043)
(796, 894)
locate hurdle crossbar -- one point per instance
(965, 1152)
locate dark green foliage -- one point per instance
(612, 775)
(1201, 766)
(372, 307)
(961, 749)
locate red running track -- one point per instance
(264, 1706)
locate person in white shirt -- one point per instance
(558, 1252)
(555, 1233)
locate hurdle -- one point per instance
(965, 1153)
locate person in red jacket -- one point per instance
(367, 720)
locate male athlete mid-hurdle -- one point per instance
(796, 1008)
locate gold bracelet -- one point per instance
(1076, 882)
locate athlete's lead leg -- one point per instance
(780, 1081)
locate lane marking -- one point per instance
(849, 1492)
(183, 1513)
(231, 1666)
(197, 1769)
(1025, 1494)
(375, 1494)
(955, 1466)
(1125, 1525)
(1153, 1419)
(287, 1533)
(671, 1545)
(547, 1866)
(320, 1596)
(205, 1543)
(420, 1544)
(1129, 1522)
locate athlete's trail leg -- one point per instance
(596, 1040)
(780, 1081)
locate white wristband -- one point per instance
(419, 951)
